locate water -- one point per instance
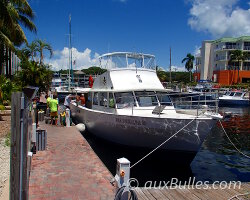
(217, 160)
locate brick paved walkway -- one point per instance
(68, 169)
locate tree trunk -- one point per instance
(190, 76)
(9, 61)
(6, 62)
(1, 58)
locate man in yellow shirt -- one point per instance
(53, 106)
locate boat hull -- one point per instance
(238, 102)
(144, 132)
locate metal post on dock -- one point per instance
(122, 178)
(67, 117)
(33, 132)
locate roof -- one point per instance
(231, 39)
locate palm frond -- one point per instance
(27, 23)
(6, 41)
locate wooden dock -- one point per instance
(195, 194)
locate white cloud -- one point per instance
(219, 18)
(60, 60)
(197, 50)
(178, 69)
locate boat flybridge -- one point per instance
(128, 105)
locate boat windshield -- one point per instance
(232, 94)
(124, 99)
(238, 94)
(164, 98)
(145, 99)
(127, 60)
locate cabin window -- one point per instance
(95, 98)
(111, 100)
(232, 94)
(146, 99)
(238, 94)
(124, 99)
(164, 98)
(88, 103)
(103, 99)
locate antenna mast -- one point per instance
(170, 79)
(71, 75)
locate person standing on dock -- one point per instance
(67, 100)
(53, 106)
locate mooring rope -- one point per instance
(232, 142)
(163, 143)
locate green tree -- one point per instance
(94, 71)
(13, 14)
(161, 74)
(34, 74)
(189, 64)
(29, 51)
(41, 46)
(239, 56)
(6, 88)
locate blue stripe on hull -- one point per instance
(234, 102)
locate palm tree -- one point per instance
(189, 59)
(239, 56)
(42, 45)
(30, 50)
(13, 14)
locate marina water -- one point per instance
(217, 160)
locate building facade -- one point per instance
(213, 61)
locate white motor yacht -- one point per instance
(237, 98)
(128, 105)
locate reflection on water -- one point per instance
(156, 167)
(217, 159)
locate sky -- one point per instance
(144, 26)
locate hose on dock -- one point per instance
(120, 192)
